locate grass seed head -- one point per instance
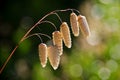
(74, 24)
(57, 41)
(84, 25)
(42, 48)
(54, 57)
(64, 29)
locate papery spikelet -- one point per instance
(64, 29)
(57, 41)
(74, 24)
(83, 25)
(54, 57)
(42, 48)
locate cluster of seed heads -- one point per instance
(55, 50)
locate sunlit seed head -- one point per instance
(42, 49)
(74, 24)
(64, 29)
(54, 57)
(83, 25)
(57, 41)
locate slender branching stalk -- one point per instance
(49, 23)
(27, 34)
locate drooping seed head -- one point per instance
(64, 29)
(54, 57)
(83, 25)
(42, 48)
(74, 24)
(57, 41)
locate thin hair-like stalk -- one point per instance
(69, 9)
(58, 17)
(49, 23)
(37, 34)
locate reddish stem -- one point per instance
(8, 59)
(24, 37)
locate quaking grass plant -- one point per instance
(55, 50)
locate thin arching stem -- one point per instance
(58, 17)
(49, 23)
(76, 11)
(8, 58)
(43, 19)
(40, 38)
(22, 39)
(72, 11)
(37, 34)
(27, 33)
(69, 9)
(34, 26)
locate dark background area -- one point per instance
(16, 17)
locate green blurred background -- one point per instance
(94, 58)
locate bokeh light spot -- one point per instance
(97, 12)
(115, 52)
(112, 65)
(104, 73)
(93, 39)
(106, 1)
(76, 70)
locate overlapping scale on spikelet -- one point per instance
(54, 57)
(42, 49)
(64, 29)
(57, 41)
(84, 25)
(74, 24)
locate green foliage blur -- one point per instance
(94, 58)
